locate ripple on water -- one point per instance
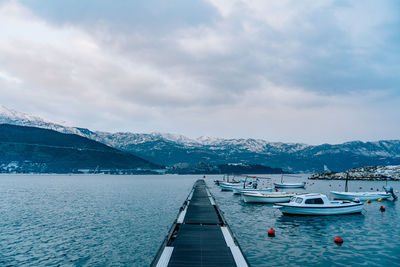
(86, 220)
(370, 239)
(122, 220)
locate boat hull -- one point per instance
(253, 198)
(362, 196)
(290, 185)
(350, 209)
(238, 191)
(225, 187)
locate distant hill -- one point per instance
(205, 168)
(171, 150)
(31, 149)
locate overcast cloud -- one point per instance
(291, 71)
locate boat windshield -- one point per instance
(299, 200)
(314, 201)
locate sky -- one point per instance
(289, 71)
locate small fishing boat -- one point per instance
(289, 185)
(318, 204)
(248, 184)
(360, 195)
(238, 191)
(269, 197)
(224, 186)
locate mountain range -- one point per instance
(38, 150)
(180, 152)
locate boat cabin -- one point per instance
(307, 199)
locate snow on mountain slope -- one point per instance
(237, 149)
(10, 116)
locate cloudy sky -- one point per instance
(288, 70)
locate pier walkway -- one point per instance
(200, 235)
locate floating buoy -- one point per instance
(276, 190)
(379, 199)
(372, 188)
(271, 232)
(338, 240)
(377, 189)
(382, 208)
(369, 201)
(330, 185)
(360, 187)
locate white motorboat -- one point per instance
(269, 197)
(225, 186)
(248, 183)
(238, 191)
(318, 204)
(360, 195)
(290, 185)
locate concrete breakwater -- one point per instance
(369, 173)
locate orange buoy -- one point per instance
(338, 240)
(379, 199)
(271, 232)
(369, 201)
(382, 208)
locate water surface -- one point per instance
(370, 239)
(106, 220)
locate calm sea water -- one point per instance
(97, 220)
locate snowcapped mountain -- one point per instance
(171, 149)
(9, 116)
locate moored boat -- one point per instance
(360, 195)
(318, 204)
(269, 197)
(224, 186)
(238, 191)
(290, 185)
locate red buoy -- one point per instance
(276, 190)
(382, 208)
(338, 240)
(271, 232)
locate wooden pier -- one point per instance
(200, 235)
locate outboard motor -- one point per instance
(389, 189)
